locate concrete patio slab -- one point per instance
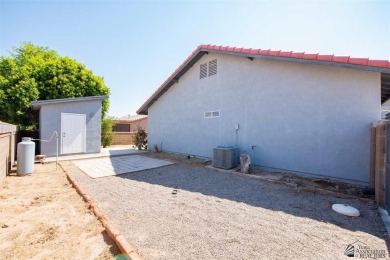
(110, 166)
(105, 152)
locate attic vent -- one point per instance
(210, 114)
(203, 70)
(208, 69)
(212, 67)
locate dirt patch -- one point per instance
(329, 185)
(42, 217)
(186, 159)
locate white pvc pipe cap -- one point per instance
(346, 210)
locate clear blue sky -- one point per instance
(136, 45)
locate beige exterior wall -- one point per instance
(142, 123)
(123, 138)
(4, 147)
(126, 138)
(7, 152)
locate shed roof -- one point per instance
(37, 104)
(382, 66)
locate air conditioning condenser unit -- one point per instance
(225, 157)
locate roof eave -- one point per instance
(174, 78)
(200, 51)
(36, 105)
(302, 60)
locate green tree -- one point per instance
(37, 73)
(107, 133)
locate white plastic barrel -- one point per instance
(25, 156)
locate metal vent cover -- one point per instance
(225, 157)
(203, 70)
(212, 67)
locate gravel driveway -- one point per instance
(221, 216)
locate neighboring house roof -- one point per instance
(39, 103)
(130, 118)
(382, 66)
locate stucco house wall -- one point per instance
(50, 121)
(301, 117)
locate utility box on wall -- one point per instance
(225, 157)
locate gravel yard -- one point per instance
(221, 216)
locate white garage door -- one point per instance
(73, 133)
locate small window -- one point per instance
(121, 128)
(211, 114)
(212, 67)
(203, 70)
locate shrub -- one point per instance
(140, 139)
(107, 133)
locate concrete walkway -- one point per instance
(105, 152)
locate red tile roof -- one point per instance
(294, 56)
(310, 56)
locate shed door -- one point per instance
(73, 133)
